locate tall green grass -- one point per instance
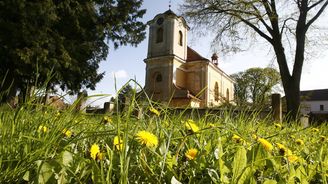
(30, 153)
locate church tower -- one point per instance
(167, 36)
(167, 51)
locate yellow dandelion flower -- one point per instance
(118, 143)
(107, 120)
(283, 150)
(147, 138)
(299, 142)
(278, 125)
(292, 158)
(315, 129)
(191, 126)
(322, 138)
(266, 144)
(237, 138)
(153, 110)
(191, 154)
(43, 129)
(94, 151)
(100, 156)
(67, 133)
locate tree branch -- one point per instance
(315, 4)
(257, 30)
(317, 15)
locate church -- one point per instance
(176, 74)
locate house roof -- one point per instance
(192, 55)
(315, 95)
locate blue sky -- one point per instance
(127, 62)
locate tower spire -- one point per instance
(170, 4)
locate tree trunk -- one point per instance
(292, 95)
(290, 83)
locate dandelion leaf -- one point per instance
(270, 182)
(246, 176)
(175, 181)
(67, 158)
(239, 163)
(45, 171)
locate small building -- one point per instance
(314, 101)
(176, 74)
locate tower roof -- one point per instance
(169, 13)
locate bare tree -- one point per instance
(282, 24)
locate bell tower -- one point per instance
(167, 36)
(167, 51)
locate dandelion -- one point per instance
(292, 158)
(315, 129)
(287, 153)
(191, 126)
(322, 138)
(43, 129)
(118, 143)
(67, 133)
(107, 120)
(283, 150)
(153, 110)
(237, 138)
(147, 138)
(299, 142)
(100, 156)
(266, 144)
(191, 154)
(278, 125)
(94, 151)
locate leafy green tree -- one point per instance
(61, 43)
(254, 86)
(284, 25)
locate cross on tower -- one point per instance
(170, 4)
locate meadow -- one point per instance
(42, 145)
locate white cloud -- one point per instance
(120, 74)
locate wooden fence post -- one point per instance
(276, 107)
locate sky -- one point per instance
(126, 62)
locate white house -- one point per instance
(314, 101)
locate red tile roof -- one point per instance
(193, 55)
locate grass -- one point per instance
(36, 147)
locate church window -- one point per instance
(158, 78)
(227, 95)
(159, 35)
(180, 38)
(160, 21)
(216, 91)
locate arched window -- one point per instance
(227, 95)
(216, 91)
(159, 35)
(180, 38)
(158, 78)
